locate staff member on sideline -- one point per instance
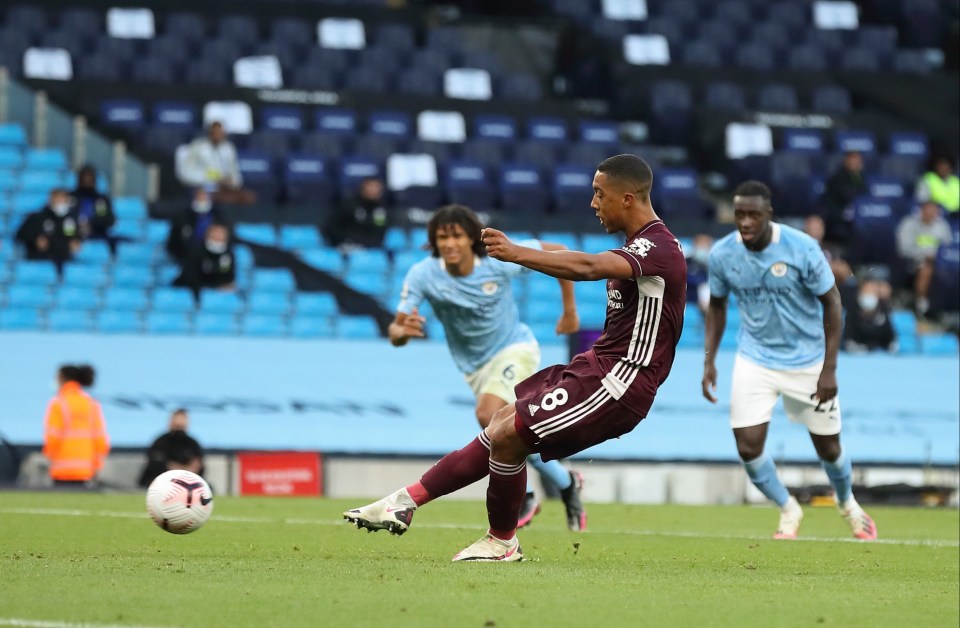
(75, 435)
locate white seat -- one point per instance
(47, 63)
(258, 72)
(235, 115)
(646, 49)
(832, 15)
(441, 126)
(748, 139)
(625, 9)
(467, 83)
(409, 170)
(344, 33)
(124, 23)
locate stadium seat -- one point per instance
(93, 252)
(396, 239)
(311, 327)
(173, 300)
(831, 99)
(69, 321)
(725, 96)
(37, 273)
(122, 113)
(215, 324)
(264, 325)
(572, 188)
(136, 254)
(874, 226)
(125, 299)
(304, 237)
(45, 159)
(495, 127)
(397, 124)
(307, 180)
(215, 302)
(168, 323)
(268, 303)
(522, 189)
(326, 259)
(20, 318)
(357, 328)
(81, 275)
(375, 285)
(369, 261)
(939, 344)
(28, 296)
(257, 233)
(273, 280)
(77, 298)
(130, 276)
(119, 322)
(12, 135)
(315, 304)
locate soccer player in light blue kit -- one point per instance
(472, 296)
(787, 347)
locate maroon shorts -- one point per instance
(564, 409)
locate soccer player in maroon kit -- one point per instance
(602, 394)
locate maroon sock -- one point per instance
(419, 494)
(508, 485)
(458, 469)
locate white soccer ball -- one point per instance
(180, 502)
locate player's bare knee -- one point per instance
(749, 451)
(505, 444)
(828, 447)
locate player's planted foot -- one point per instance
(790, 517)
(392, 513)
(861, 524)
(491, 549)
(529, 508)
(576, 513)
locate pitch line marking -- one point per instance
(39, 623)
(456, 526)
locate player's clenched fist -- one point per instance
(498, 245)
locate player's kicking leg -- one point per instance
(392, 513)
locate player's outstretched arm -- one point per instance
(832, 327)
(404, 327)
(569, 322)
(715, 321)
(572, 265)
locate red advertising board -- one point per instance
(280, 473)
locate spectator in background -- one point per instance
(94, 209)
(867, 326)
(53, 233)
(919, 235)
(75, 436)
(174, 450)
(188, 229)
(814, 227)
(698, 290)
(360, 221)
(211, 162)
(839, 192)
(940, 185)
(210, 264)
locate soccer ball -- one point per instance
(180, 502)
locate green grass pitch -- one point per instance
(74, 559)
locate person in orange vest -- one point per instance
(75, 435)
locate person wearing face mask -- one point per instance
(210, 264)
(360, 221)
(867, 326)
(174, 450)
(94, 209)
(53, 233)
(188, 229)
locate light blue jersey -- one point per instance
(777, 290)
(478, 312)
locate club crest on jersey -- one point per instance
(489, 288)
(640, 246)
(779, 269)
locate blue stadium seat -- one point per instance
(175, 114)
(307, 180)
(101, 67)
(369, 261)
(167, 50)
(83, 275)
(790, 174)
(131, 276)
(704, 54)
(945, 287)
(567, 239)
(911, 62)
(397, 36)
(671, 104)
(20, 318)
(93, 252)
(273, 280)
(264, 325)
(77, 298)
(292, 30)
(268, 303)
(718, 34)
(269, 144)
(590, 154)
(390, 123)
(572, 188)
(215, 324)
(38, 273)
(396, 239)
(522, 87)
(909, 145)
(860, 60)
(354, 169)
(9, 181)
(831, 99)
(547, 129)
(378, 147)
(129, 208)
(69, 321)
(168, 323)
(336, 121)
(46, 159)
(369, 79)
(890, 188)
(775, 97)
(125, 299)
(299, 237)
(939, 344)
(542, 311)
(27, 202)
(315, 77)
(122, 113)
(904, 323)
(376, 285)
(216, 302)
(756, 56)
(863, 141)
(11, 157)
(598, 242)
(803, 141)
(725, 96)
(487, 152)
(679, 191)
(258, 174)
(326, 259)
(807, 57)
(12, 135)
(186, 25)
(311, 327)
(521, 188)
(315, 304)
(28, 296)
(357, 328)
(874, 226)
(40, 181)
(111, 322)
(258, 233)
(172, 300)
(136, 254)
(496, 127)
(157, 231)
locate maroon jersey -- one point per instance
(644, 319)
